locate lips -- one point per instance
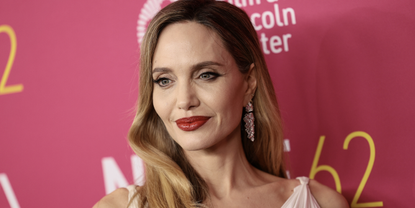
(191, 123)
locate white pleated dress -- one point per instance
(301, 197)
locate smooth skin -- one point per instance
(194, 75)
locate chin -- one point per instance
(193, 144)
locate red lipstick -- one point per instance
(191, 123)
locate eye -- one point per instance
(208, 75)
(163, 82)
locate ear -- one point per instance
(251, 81)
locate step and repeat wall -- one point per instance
(343, 71)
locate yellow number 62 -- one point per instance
(315, 168)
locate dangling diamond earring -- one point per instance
(249, 121)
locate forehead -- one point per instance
(189, 43)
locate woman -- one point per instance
(208, 126)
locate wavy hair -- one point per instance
(170, 179)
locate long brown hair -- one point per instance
(170, 180)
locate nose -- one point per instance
(186, 96)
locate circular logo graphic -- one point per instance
(149, 10)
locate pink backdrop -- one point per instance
(343, 72)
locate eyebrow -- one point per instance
(195, 67)
(205, 64)
(161, 69)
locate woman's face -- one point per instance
(199, 92)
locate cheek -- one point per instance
(229, 101)
(161, 106)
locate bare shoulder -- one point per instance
(290, 184)
(283, 187)
(326, 196)
(117, 198)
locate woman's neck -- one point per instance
(224, 167)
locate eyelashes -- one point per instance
(209, 76)
(163, 82)
(206, 76)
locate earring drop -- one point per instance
(249, 121)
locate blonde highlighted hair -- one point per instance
(170, 180)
